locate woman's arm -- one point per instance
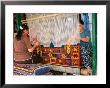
(28, 44)
(86, 39)
(34, 46)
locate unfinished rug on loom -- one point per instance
(58, 28)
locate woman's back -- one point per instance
(21, 49)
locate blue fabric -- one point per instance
(86, 21)
(42, 71)
(86, 24)
(84, 34)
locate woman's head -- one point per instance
(25, 32)
(81, 25)
(22, 32)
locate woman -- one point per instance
(86, 47)
(23, 47)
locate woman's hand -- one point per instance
(34, 40)
(34, 46)
(36, 43)
(77, 37)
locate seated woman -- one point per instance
(86, 47)
(23, 47)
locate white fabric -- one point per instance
(56, 29)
